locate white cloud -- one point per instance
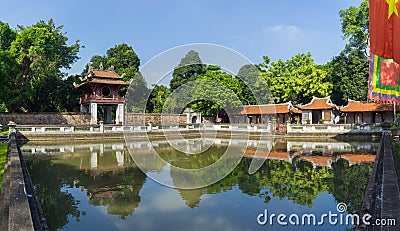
(287, 31)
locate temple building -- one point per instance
(320, 110)
(357, 112)
(101, 88)
(283, 113)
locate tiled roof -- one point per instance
(356, 106)
(282, 108)
(102, 81)
(253, 152)
(104, 74)
(105, 81)
(319, 104)
(318, 160)
(358, 158)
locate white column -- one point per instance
(120, 114)
(120, 158)
(93, 113)
(93, 160)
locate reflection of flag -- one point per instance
(384, 28)
(384, 80)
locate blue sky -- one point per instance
(279, 29)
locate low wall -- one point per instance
(19, 207)
(138, 119)
(45, 118)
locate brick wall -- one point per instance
(45, 118)
(137, 119)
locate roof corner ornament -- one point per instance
(90, 66)
(111, 68)
(101, 67)
(123, 75)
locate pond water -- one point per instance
(98, 186)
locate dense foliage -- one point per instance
(33, 58)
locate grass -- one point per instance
(3, 150)
(397, 151)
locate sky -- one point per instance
(278, 29)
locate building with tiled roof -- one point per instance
(281, 112)
(320, 110)
(102, 88)
(357, 112)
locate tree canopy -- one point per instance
(29, 56)
(189, 67)
(296, 80)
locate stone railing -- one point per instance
(291, 128)
(333, 128)
(57, 129)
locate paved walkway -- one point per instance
(382, 199)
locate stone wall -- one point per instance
(138, 119)
(45, 118)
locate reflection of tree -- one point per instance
(349, 183)
(57, 205)
(191, 196)
(299, 182)
(116, 188)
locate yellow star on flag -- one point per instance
(392, 8)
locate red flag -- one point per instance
(384, 28)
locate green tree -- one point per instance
(355, 26)
(188, 69)
(57, 95)
(40, 51)
(349, 74)
(137, 94)
(215, 92)
(7, 36)
(159, 94)
(248, 76)
(296, 80)
(349, 70)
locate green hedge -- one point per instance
(3, 151)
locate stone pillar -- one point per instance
(108, 115)
(11, 127)
(93, 113)
(120, 114)
(101, 126)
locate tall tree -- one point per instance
(349, 70)
(296, 80)
(216, 92)
(248, 75)
(355, 26)
(189, 67)
(349, 74)
(40, 51)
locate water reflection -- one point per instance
(73, 180)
